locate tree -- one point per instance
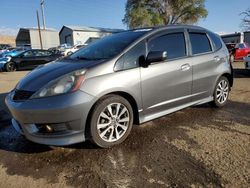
(142, 13)
(246, 19)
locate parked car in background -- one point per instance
(230, 47)
(11, 53)
(247, 62)
(30, 59)
(240, 51)
(130, 77)
(64, 46)
(4, 48)
(3, 61)
(73, 49)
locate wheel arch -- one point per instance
(229, 77)
(123, 94)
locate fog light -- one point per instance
(49, 128)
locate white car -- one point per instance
(73, 49)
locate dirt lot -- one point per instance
(195, 147)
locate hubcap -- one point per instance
(113, 122)
(11, 67)
(222, 91)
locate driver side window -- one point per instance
(173, 43)
(28, 54)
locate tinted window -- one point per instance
(28, 54)
(200, 43)
(131, 59)
(173, 44)
(216, 40)
(42, 53)
(108, 47)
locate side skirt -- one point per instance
(150, 117)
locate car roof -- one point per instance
(172, 26)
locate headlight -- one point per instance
(68, 83)
(4, 60)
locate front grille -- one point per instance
(20, 95)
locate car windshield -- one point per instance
(108, 47)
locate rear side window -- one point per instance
(174, 44)
(200, 43)
(216, 40)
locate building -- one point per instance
(30, 37)
(83, 35)
(236, 37)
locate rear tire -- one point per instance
(111, 121)
(10, 66)
(221, 92)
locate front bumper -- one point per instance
(66, 114)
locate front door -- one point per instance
(166, 86)
(26, 60)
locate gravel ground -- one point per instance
(195, 147)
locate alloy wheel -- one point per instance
(10, 67)
(113, 122)
(222, 91)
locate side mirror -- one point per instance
(156, 56)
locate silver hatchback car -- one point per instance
(128, 78)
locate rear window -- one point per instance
(200, 43)
(216, 40)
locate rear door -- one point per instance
(167, 85)
(204, 62)
(42, 57)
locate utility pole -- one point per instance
(42, 8)
(39, 29)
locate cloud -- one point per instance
(8, 31)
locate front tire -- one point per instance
(221, 92)
(10, 66)
(111, 121)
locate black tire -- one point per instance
(10, 66)
(216, 102)
(100, 106)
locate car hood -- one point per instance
(4, 59)
(40, 76)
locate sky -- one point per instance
(223, 15)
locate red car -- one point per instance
(240, 51)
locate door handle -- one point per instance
(185, 67)
(217, 58)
